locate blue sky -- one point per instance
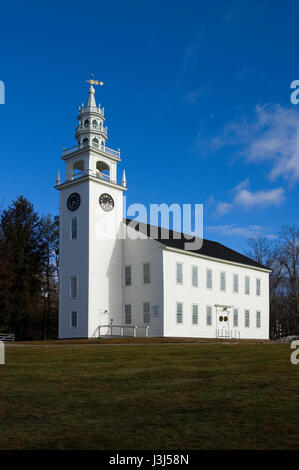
(196, 95)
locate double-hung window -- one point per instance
(194, 314)
(128, 275)
(73, 287)
(222, 281)
(128, 314)
(247, 285)
(146, 273)
(209, 315)
(236, 319)
(146, 312)
(74, 319)
(247, 321)
(258, 319)
(258, 287)
(195, 276)
(179, 312)
(179, 273)
(209, 279)
(74, 228)
(236, 283)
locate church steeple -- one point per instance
(91, 130)
(91, 157)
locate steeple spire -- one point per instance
(91, 99)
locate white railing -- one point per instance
(91, 109)
(91, 127)
(102, 148)
(118, 330)
(95, 174)
(7, 337)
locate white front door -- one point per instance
(222, 324)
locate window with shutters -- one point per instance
(128, 275)
(209, 279)
(209, 315)
(179, 312)
(146, 312)
(195, 276)
(236, 283)
(128, 314)
(247, 322)
(222, 281)
(146, 273)
(194, 314)
(179, 273)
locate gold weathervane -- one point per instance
(94, 82)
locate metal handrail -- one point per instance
(122, 327)
(95, 174)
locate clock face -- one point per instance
(73, 201)
(106, 202)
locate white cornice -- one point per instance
(67, 184)
(219, 260)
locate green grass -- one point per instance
(149, 396)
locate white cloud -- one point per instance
(272, 135)
(246, 199)
(252, 231)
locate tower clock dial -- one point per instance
(73, 201)
(106, 202)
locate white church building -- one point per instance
(117, 279)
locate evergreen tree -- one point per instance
(25, 253)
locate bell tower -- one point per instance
(91, 213)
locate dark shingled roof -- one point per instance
(209, 248)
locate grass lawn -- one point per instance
(149, 396)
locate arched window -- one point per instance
(103, 170)
(85, 141)
(94, 123)
(86, 123)
(95, 142)
(78, 167)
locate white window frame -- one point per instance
(209, 314)
(258, 287)
(235, 284)
(71, 319)
(236, 318)
(207, 278)
(194, 269)
(125, 313)
(127, 266)
(258, 319)
(245, 286)
(71, 287)
(222, 281)
(71, 228)
(194, 314)
(178, 263)
(177, 313)
(149, 273)
(149, 313)
(247, 319)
